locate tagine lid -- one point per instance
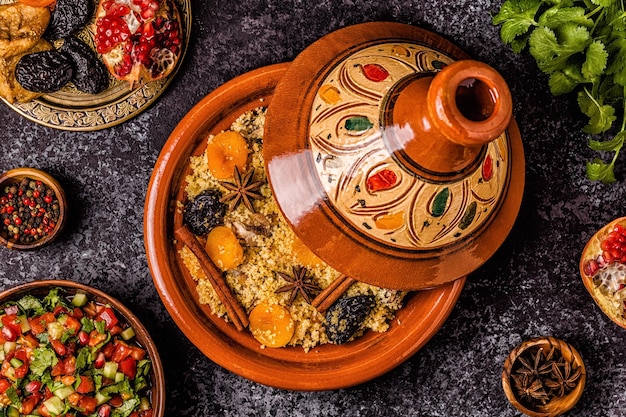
(394, 156)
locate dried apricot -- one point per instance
(226, 151)
(223, 248)
(271, 324)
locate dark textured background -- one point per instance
(531, 286)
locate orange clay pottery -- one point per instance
(401, 152)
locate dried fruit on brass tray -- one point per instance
(138, 39)
(44, 72)
(21, 27)
(90, 74)
(68, 17)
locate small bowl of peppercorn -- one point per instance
(544, 377)
(32, 208)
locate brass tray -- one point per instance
(70, 109)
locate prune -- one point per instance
(345, 318)
(90, 74)
(68, 17)
(44, 72)
(204, 212)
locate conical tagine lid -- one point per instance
(393, 156)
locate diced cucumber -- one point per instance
(119, 377)
(63, 391)
(101, 398)
(12, 411)
(128, 333)
(54, 405)
(24, 325)
(145, 404)
(16, 363)
(79, 299)
(110, 370)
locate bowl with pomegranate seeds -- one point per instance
(68, 349)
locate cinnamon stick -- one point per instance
(234, 309)
(332, 293)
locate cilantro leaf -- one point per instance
(597, 170)
(43, 358)
(126, 408)
(595, 61)
(551, 53)
(11, 392)
(29, 302)
(558, 15)
(516, 17)
(52, 299)
(601, 116)
(617, 67)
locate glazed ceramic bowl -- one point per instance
(142, 337)
(557, 404)
(603, 269)
(14, 176)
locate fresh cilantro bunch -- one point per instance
(581, 45)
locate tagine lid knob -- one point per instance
(393, 156)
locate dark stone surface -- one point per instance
(531, 286)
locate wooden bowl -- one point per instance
(557, 405)
(15, 176)
(592, 262)
(142, 337)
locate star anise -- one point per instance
(563, 381)
(539, 366)
(243, 190)
(298, 283)
(530, 389)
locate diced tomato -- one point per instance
(116, 401)
(58, 347)
(74, 398)
(72, 324)
(37, 325)
(21, 371)
(29, 404)
(122, 351)
(108, 315)
(95, 338)
(87, 404)
(11, 328)
(58, 310)
(117, 329)
(128, 367)
(58, 369)
(43, 410)
(146, 413)
(137, 353)
(86, 385)
(69, 365)
(4, 385)
(30, 340)
(108, 350)
(77, 313)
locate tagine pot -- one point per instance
(394, 156)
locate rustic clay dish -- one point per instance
(595, 266)
(157, 377)
(16, 175)
(70, 109)
(557, 405)
(385, 140)
(324, 367)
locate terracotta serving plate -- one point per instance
(70, 109)
(322, 368)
